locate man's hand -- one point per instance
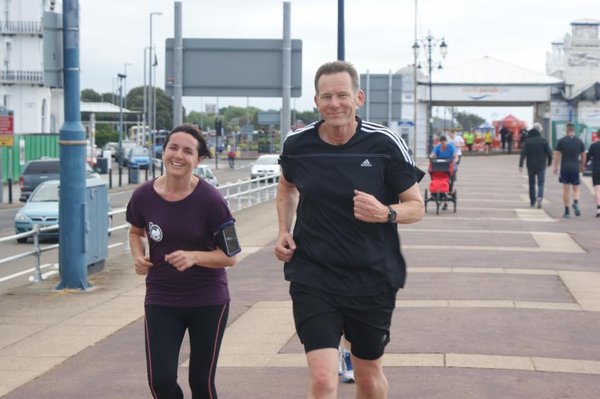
(368, 209)
(285, 247)
(142, 265)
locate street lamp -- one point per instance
(151, 95)
(429, 43)
(150, 91)
(125, 81)
(121, 78)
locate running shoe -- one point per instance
(347, 371)
(576, 209)
(538, 205)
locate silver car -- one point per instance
(205, 173)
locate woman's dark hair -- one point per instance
(193, 131)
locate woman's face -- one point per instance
(181, 154)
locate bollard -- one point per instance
(37, 277)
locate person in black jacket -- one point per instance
(539, 156)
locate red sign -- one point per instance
(6, 125)
(6, 128)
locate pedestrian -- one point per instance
(488, 139)
(503, 137)
(231, 158)
(190, 235)
(457, 141)
(593, 156)
(469, 138)
(570, 154)
(539, 156)
(522, 137)
(444, 150)
(355, 181)
(509, 141)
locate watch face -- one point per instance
(391, 215)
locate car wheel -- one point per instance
(22, 240)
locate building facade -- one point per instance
(576, 60)
(37, 108)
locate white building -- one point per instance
(37, 108)
(576, 60)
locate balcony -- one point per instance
(22, 77)
(21, 27)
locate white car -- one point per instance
(205, 173)
(265, 165)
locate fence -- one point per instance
(239, 195)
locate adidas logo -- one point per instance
(366, 164)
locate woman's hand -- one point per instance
(142, 265)
(181, 260)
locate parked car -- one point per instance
(126, 146)
(265, 165)
(205, 172)
(112, 147)
(40, 170)
(42, 207)
(91, 156)
(138, 157)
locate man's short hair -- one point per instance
(443, 138)
(337, 67)
(570, 125)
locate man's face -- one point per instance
(336, 101)
(570, 131)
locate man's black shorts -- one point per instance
(321, 317)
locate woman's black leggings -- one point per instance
(165, 328)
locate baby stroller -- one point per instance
(441, 187)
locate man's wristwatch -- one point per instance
(391, 215)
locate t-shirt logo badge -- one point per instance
(366, 163)
(156, 233)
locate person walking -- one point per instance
(509, 141)
(504, 132)
(488, 139)
(570, 155)
(593, 156)
(469, 138)
(190, 235)
(539, 155)
(353, 181)
(457, 141)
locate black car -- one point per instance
(41, 170)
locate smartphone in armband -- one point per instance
(227, 239)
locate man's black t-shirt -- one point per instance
(594, 155)
(570, 147)
(335, 251)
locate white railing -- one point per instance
(239, 195)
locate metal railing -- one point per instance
(239, 195)
(20, 27)
(18, 76)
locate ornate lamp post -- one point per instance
(429, 44)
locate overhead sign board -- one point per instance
(6, 127)
(383, 97)
(268, 117)
(233, 67)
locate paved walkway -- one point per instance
(502, 301)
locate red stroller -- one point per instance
(441, 187)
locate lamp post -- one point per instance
(429, 44)
(125, 65)
(121, 78)
(150, 99)
(151, 95)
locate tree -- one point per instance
(164, 106)
(90, 95)
(468, 121)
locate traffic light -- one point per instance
(218, 127)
